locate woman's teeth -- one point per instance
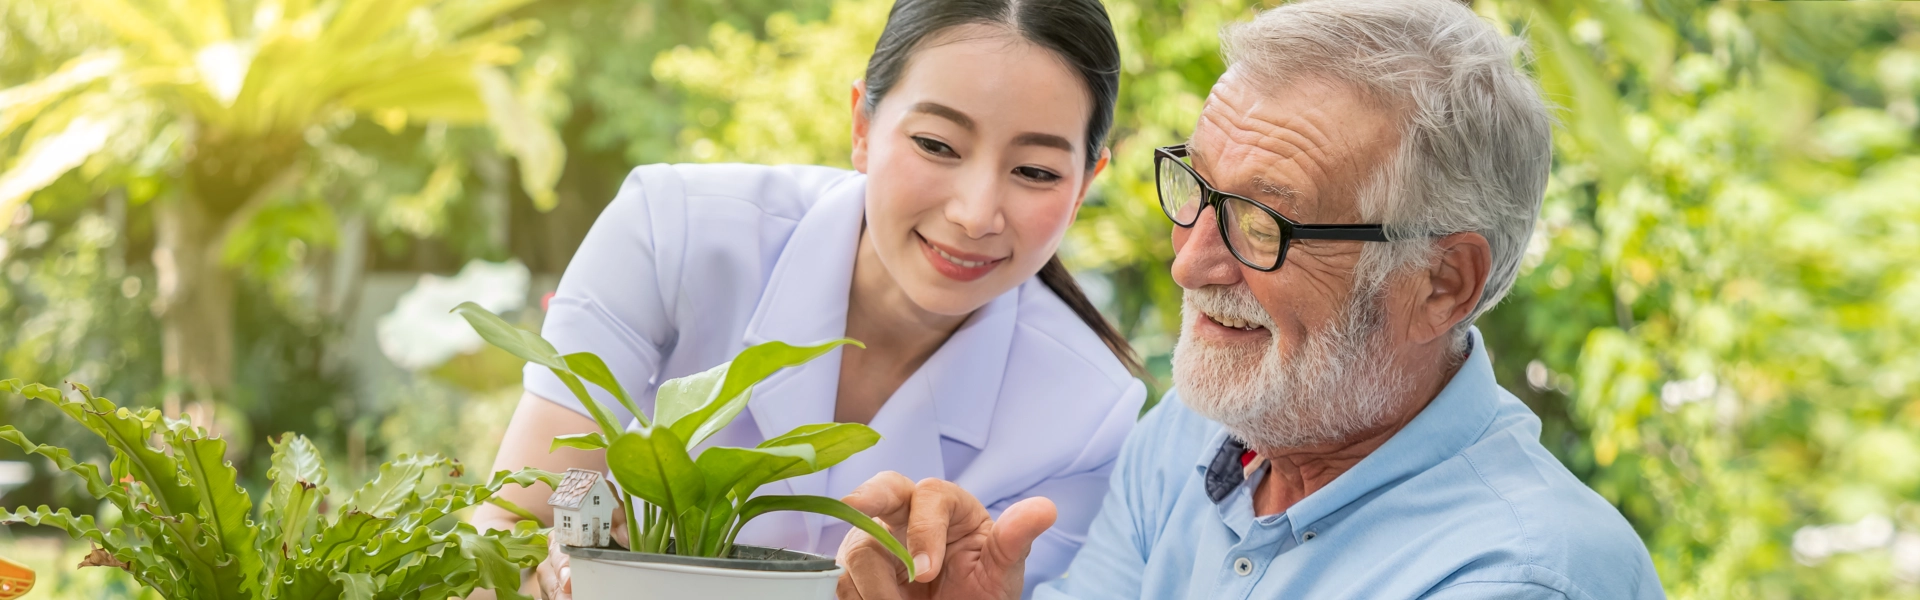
(964, 263)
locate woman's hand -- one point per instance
(959, 551)
(553, 579)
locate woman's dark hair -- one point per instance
(1076, 30)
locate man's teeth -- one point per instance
(1234, 323)
(964, 263)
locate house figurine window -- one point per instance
(566, 521)
(596, 500)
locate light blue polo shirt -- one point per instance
(1462, 503)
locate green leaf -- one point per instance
(652, 463)
(81, 526)
(335, 540)
(829, 507)
(831, 442)
(581, 441)
(750, 367)
(395, 483)
(224, 506)
(532, 348)
(681, 396)
(289, 509)
(89, 474)
(493, 562)
(591, 368)
(516, 341)
(357, 586)
(740, 471)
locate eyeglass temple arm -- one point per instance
(1356, 233)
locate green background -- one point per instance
(1718, 318)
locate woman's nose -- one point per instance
(976, 207)
(1200, 255)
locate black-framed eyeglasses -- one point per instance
(1259, 236)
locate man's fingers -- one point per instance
(1018, 527)
(941, 510)
(887, 496)
(874, 573)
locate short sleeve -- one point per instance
(615, 298)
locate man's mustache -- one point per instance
(1230, 301)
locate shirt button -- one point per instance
(1308, 537)
(1242, 566)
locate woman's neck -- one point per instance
(899, 335)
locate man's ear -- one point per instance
(1455, 283)
(862, 122)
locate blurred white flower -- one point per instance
(1675, 394)
(420, 333)
(1814, 543)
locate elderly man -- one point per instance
(1361, 185)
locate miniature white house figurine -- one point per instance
(583, 510)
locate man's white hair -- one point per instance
(1475, 135)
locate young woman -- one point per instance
(976, 133)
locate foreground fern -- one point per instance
(187, 529)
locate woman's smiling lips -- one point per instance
(956, 265)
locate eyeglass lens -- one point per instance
(1252, 233)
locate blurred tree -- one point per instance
(213, 109)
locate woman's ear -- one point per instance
(1094, 173)
(861, 124)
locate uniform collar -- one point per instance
(805, 302)
(1455, 419)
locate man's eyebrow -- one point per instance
(1043, 139)
(1278, 191)
(942, 111)
(1282, 193)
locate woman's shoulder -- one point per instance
(784, 191)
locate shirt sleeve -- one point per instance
(1487, 590)
(1114, 557)
(1077, 495)
(615, 298)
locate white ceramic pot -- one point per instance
(769, 574)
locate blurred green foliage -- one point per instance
(1718, 319)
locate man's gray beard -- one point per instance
(1339, 382)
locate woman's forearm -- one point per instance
(529, 436)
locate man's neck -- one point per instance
(1294, 473)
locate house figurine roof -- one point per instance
(573, 488)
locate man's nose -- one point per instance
(975, 206)
(1200, 255)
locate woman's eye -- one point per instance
(935, 147)
(1036, 174)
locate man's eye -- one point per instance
(1036, 174)
(935, 147)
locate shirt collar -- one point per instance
(1455, 419)
(805, 302)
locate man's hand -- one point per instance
(959, 551)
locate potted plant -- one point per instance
(186, 529)
(690, 508)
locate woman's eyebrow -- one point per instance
(944, 112)
(1043, 139)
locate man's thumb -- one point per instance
(1018, 526)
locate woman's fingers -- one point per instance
(555, 575)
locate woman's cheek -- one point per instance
(1043, 219)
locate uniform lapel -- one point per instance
(805, 302)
